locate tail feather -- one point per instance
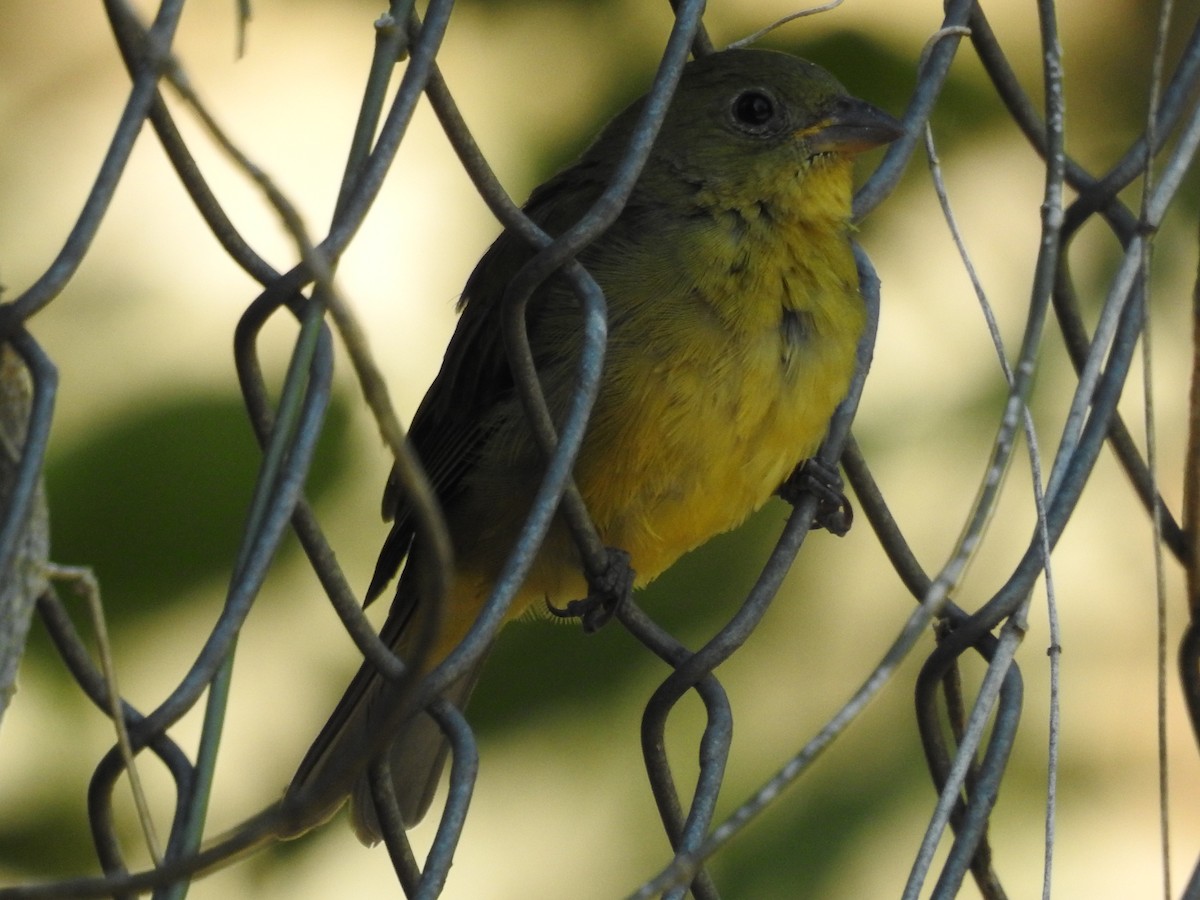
(416, 760)
(364, 724)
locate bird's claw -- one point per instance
(834, 512)
(607, 590)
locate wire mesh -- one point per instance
(968, 730)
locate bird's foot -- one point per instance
(607, 590)
(834, 512)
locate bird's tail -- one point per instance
(335, 767)
(415, 759)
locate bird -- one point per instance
(734, 312)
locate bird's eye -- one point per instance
(753, 109)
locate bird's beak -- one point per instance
(852, 127)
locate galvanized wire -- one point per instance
(967, 740)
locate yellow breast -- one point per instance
(721, 376)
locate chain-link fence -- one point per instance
(1089, 301)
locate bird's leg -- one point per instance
(607, 590)
(834, 512)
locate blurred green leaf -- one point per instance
(49, 840)
(155, 499)
(801, 849)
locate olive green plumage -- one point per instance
(734, 313)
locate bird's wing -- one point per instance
(447, 431)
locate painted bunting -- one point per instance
(734, 312)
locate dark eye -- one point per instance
(753, 109)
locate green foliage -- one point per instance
(154, 501)
(801, 849)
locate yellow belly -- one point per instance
(709, 398)
(683, 450)
(724, 363)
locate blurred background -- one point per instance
(152, 460)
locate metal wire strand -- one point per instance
(1093, 196)
(43, 377)
(931, 77)
(968, 818)
(141, 96)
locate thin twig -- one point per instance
(1160, 577)
(755, 36)
(83, 581)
